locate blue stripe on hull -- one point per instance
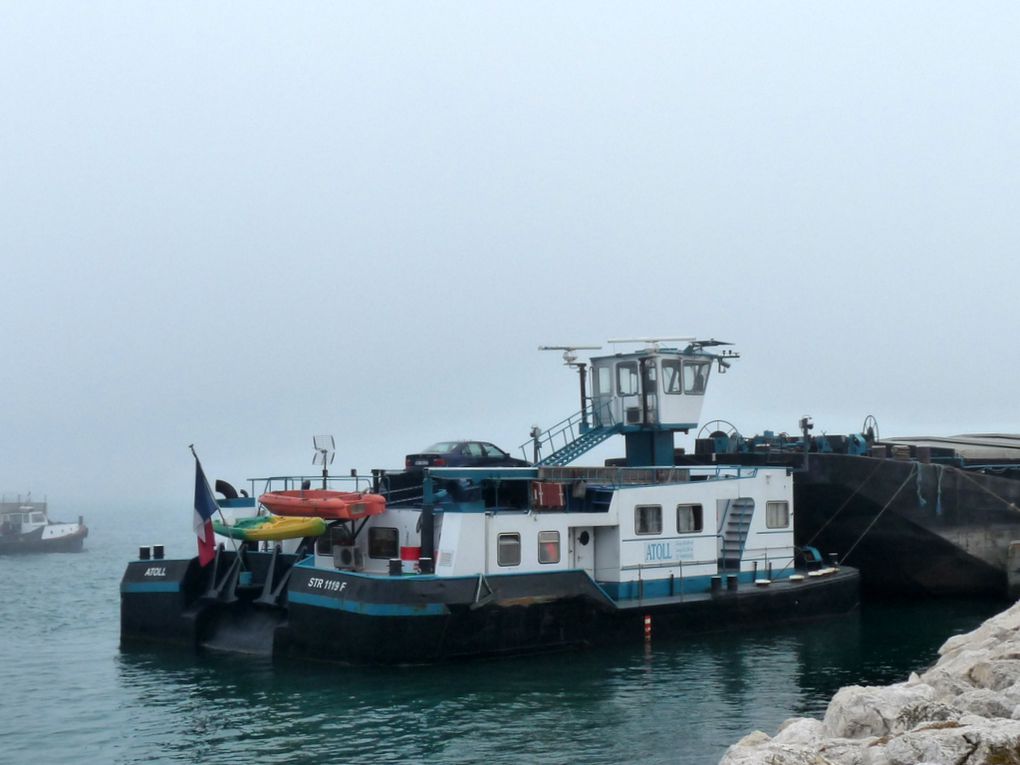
(150, 587)
(369, 609)
(660, 588)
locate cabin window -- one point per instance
(508, 549)
(689, 519)
(38, 518)
(339, 534)
(604, 381)
(777, 515)
(626, 378)
(671, 376)
(696, 376)
(648, 519)
(383, 542)
(548, 547)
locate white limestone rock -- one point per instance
(985, 703)
(996, 675)
(857, 711)
(978, 743)
(964, 710)
(801, 731)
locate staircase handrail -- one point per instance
(568, 428)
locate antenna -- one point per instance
(569, 357)
(570, 360)
(324, 453)
(653, 342)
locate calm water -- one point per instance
(70, 695)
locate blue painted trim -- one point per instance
(368, 609)
(134, 587)
(659, 588)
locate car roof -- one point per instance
(446, 446)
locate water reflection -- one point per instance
(681, 701)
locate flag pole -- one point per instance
(219, 510)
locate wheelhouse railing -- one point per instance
(567, 431)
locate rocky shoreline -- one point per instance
(964, 710)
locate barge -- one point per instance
(473, 562)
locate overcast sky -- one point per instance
(241, 224)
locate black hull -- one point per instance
(911, 528)
(350, 618)
(34, 543)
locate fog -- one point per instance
(237, 225)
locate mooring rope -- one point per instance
(985, 489)
(846, 502)
(875, 519)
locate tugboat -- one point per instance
(25, 527)
(466, 562)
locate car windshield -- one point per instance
(441, 448)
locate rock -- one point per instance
(801, 731)
(856, 711)
(951, 743)
(996, 675)
(965, 710)
(985, 703)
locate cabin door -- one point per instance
(582, 549)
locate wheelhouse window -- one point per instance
(383, 542)
(696, 376)
(627, 378)
(648, 519)
(603, 381)
(38, 518)
(689, 519)
(777, 515)
(671, 376)
(508, 549)
(548, 547)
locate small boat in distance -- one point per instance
(25, 527)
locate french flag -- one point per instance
(205, 509)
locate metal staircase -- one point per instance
(583, 443)
(576, 439)
(734, 533)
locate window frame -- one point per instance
(697, 514)
(638, 514)
(631, 367)
(555, 540)
(777, 503)
(373, 544)
(499, 548)
(703, 366)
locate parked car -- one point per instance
(462, 454)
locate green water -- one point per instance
(70, 695)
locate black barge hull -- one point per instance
(912, 527)
(287, 610)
